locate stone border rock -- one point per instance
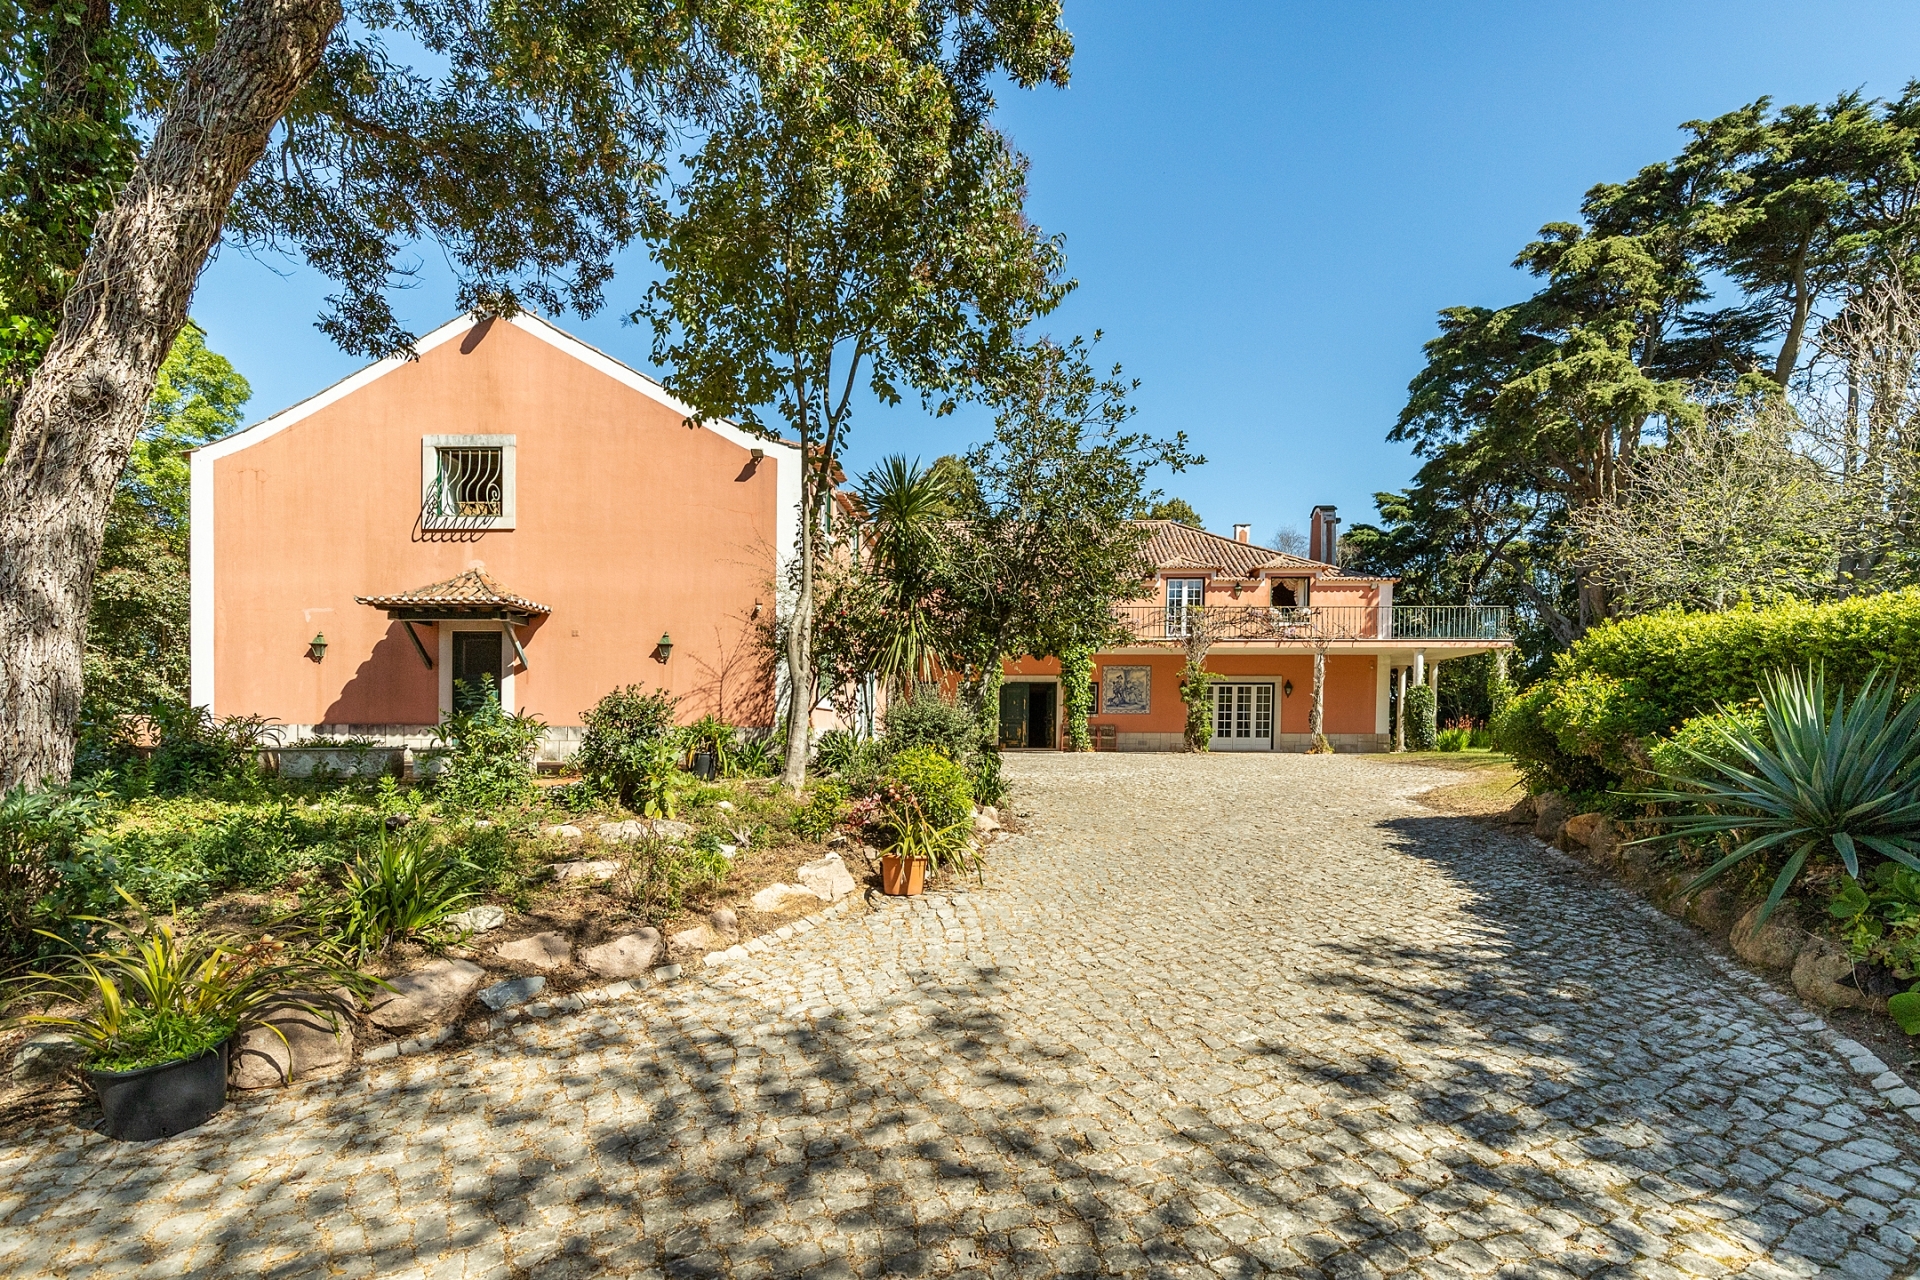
(1880, 1077)
(613, 991)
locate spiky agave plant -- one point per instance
(1844, 776)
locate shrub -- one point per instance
(1690, 750)
(941, 788)
(929, 720)
(42, 836)
(1630, 682)
(617, 752)
(1843, 782)
(491, 759)
(665, 874)
(404, 887)
(1521, 731)
(1453, 738)
(838, 751)
(1879, 917)
(824, 810)
(1423, 733)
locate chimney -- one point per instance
(1323, 537)
(1242, 533)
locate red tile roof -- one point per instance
(1172, 545)
(472, 589)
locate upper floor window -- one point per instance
(467, 482)
(1183, 594)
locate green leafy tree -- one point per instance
(1178, 510)
(1045, 547)
(137, 622)
(865, 223)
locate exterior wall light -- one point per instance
(663, 650)
(317, 647)
(1286, 688)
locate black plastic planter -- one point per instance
(158, 1102)
(703, 765)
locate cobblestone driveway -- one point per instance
(1212, 1015)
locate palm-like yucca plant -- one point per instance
(401, 888)
(1845, 779)
(151, 995)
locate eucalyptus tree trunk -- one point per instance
(77, 420)
(800, 638)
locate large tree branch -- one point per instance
(77, 421)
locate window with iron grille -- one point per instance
(467, 482)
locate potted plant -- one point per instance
(157, 1012)
(916, 845)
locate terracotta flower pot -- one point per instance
(902, 877)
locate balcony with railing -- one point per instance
(1153, 623)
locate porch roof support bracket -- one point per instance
(513, 634)
(418, 648)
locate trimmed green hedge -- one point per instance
(1423, 731)
(1597, 724)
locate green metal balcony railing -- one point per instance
(1313, 623)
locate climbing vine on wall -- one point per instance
(1076, 690)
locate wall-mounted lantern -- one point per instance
(317, 647)
(663, 650)
(1286, 688)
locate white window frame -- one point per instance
(430, 447)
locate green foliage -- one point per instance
(911, 833)
(149, 1037)
(1905, 1008)
(1196, 690)
(1423, 733)
(1076, 688)
(1710, 737)
(665, 875)
(1628, 683)
(840, 752)
(491, 758)
(402, 888)
(824, 810)
(929, 720)
(1843, 783)
(1453, 738)
(136, 658)
(42, 838)
(1179, 510)
(150, 991)
(620, 753)
(941, 788)
(756, 756)
(1879, 917)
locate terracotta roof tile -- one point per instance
(1172, 545)
(472, 589)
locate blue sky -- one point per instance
(1266, 204)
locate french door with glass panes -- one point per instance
(1242, 717)
(1183, 594)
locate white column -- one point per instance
(1419, 666)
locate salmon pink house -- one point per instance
(508, 505)
(1261, 616)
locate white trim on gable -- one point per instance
(200, 562)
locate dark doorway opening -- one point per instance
(476, 668)
(1027, 715)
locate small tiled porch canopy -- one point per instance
(469, 596)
